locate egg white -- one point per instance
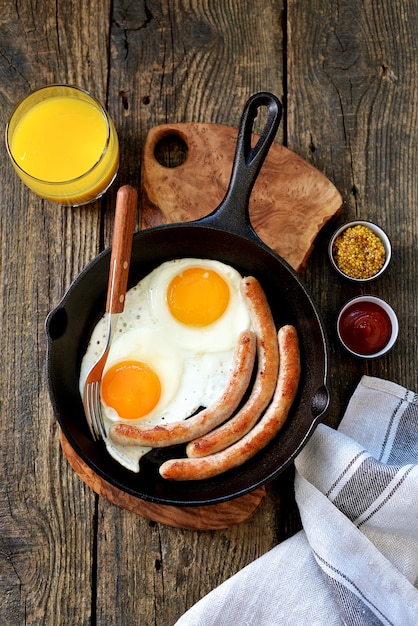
(221, 334)
(193, 363)
(147, 345)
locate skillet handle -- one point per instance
(232, 214)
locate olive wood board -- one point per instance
(291, 201)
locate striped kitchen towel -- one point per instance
(356, 560)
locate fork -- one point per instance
(126, 202)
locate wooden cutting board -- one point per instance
(290, 203)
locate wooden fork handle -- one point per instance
(126, 203)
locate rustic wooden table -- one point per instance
(347, 74)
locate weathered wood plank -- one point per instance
(47, 514)
(352, 114)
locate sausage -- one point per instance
(179, 432)
(262, 433)
(265, 382)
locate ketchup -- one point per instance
(365, 327)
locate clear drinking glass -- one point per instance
(63, 144)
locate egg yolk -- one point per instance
(132, 388)
(198, 296)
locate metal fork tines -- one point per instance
(91, 394)
(93, 406)
(94, 411)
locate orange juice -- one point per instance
(63, 145)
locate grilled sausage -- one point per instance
(265, 382)
(262, 433)
(179, 432)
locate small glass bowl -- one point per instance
(368, 305)
(377, 231)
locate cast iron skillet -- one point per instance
(226, 235)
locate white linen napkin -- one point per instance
(356, 560)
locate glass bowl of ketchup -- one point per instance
(367, 326)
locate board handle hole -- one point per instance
(171, 151)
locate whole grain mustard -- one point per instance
(359, 252)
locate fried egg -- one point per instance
(173, 350)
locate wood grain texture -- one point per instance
(360, 129)
(47, 518)
(346, 72)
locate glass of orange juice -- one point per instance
(63, 145)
